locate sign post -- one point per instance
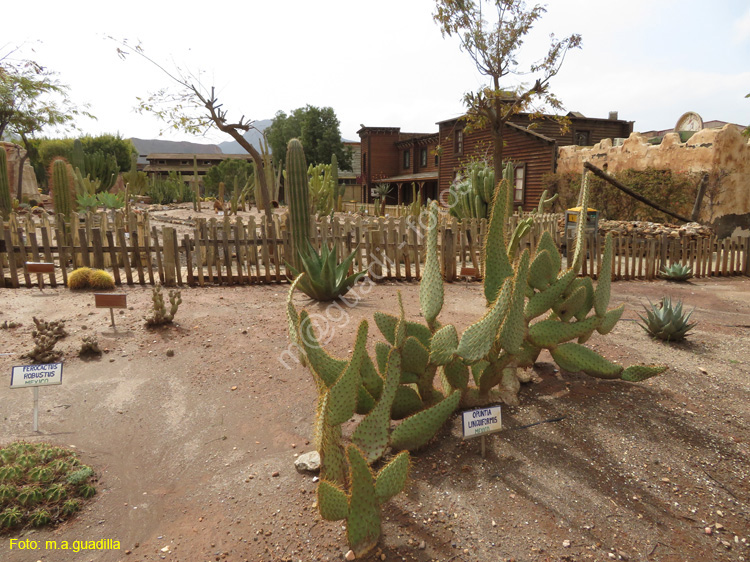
(110, 301)
(480, 422)
(34, 376)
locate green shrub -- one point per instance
(41, 484)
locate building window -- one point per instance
(458, 142)
(437, 160)
(519, 181)
(407, 159)
(581, 138)
(423, 157)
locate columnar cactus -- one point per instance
(62, 187)
(5, 200)
(299, 199)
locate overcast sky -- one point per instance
(384, 63)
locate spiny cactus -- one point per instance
(101, 280)
(159, 314)
(6, 205)
(62, 188)
(677, 272)
(471, 196)
(79, 278)
(299, 200)
(480, 365)
(667, 322)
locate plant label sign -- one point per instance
(27, 376)
(481, 421)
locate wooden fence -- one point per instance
(236, 251)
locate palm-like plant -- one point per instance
(381, 193)
(326, 279)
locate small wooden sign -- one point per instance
(110, 300)
(40, 267)
(469, 272)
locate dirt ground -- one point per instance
(195, 452)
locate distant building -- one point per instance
(160, 165)
(432, 160)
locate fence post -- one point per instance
(449, 256)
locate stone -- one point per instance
(309, 462)
(29, 187)
(350, 555)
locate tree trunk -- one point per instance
(263, 202)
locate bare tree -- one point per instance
(193, 108)
(492, 46)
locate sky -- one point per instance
(382, 63)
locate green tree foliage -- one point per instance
(102, 156)
(319, 131)
(32, 100)
(491, 32)
(227, 171)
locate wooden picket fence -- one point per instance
(229, 251)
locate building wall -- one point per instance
(597, 129)
(716, 151)
(537, 154)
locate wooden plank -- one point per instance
(149, 260)
(188, 259)
(47, 254)
(96, 240)
(136, 256)
(176, 248)
(83, 248)
(225, 236)
(113, 257)
(746, 256)
(199, 254)
(110, 300)
(253, 239)
(239, 233)
(169, 256)
(157, 249)
(31, 235)
(449, 256)
(124, 255)
(216, 253)
(23, 256)
(724, 257)
(375, 263)
(266, 258)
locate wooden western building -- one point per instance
(432, 161)
(399, 159)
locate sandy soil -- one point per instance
(195, 452)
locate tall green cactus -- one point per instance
(299, 200)
(62, 188)
(6, 205)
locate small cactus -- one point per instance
(159, 313)
(79, 278)
(101, 280)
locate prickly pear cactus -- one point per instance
(422, 373)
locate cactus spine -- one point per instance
(5, 202)
(299, 199)
(62, 197)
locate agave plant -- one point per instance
(677, 272)
(667, 322)
(326, 279)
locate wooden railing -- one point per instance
(236, 251)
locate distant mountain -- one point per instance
(253, 136)
(156, 146)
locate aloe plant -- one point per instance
(677, 272)
(667, 322)
(325, 278)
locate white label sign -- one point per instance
(481, 421)
(27, 376)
